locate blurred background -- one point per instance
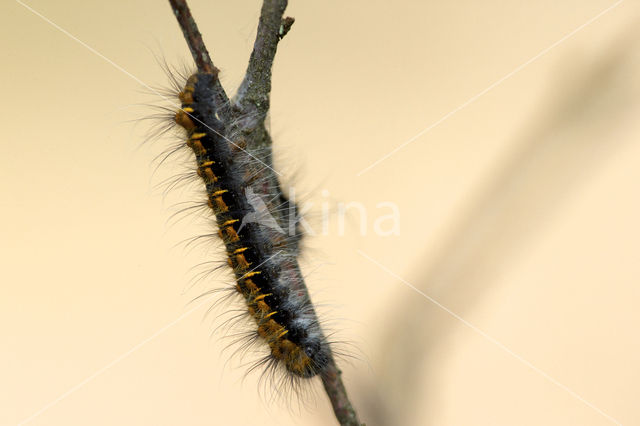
(518, 204)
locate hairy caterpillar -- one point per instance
(259, 233)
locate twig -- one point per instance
(199, 52)
(193, 37)
(332, 382)
(253, 94)
(247, 115)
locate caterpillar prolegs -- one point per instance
(262, 254)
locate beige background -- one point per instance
(519, 213)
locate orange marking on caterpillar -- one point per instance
(275, 350)
(216, 203)
(197, 146)
(263, 331)
(251, 274)
(182, 119)
(242, 261)
(262, 306)
(207, 175)
(273, 327)
(191, 82)
(253, 288)
(219, 206)
(261, 297)
(232, 235)
(186, 96)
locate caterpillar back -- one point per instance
(253, 220)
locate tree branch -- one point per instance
(253, 94)
(200, 54)
(332, 382)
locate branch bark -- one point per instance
(200, 54)
(253, 94)
(247, 115)
(333, 386)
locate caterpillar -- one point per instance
(259, 235)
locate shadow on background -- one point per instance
(557, 154)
